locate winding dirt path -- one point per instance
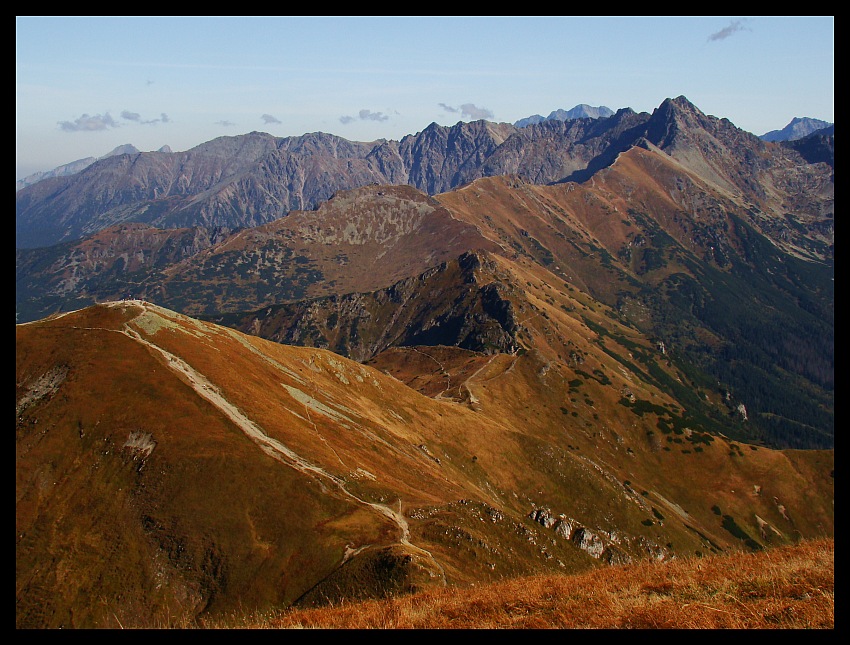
(271, 446)
(443, 373)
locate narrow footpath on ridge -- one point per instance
(269, 445)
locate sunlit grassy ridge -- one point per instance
(782, 588)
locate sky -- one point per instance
(85, 85)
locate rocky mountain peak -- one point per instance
(798, 128)
(671, 117)
(125, 149)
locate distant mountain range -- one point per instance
(799, 128)
(582, 111)
(251, 179)
(578, 112)
(74, 167)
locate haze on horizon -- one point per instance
(85, 85)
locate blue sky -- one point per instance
(85, 85)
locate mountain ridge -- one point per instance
(581, 111)
(252, 179)
(74, 167)
(798, 127)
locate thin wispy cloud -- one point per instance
(268, 118)
(468, 111)
(87, 123)
(732, 28)
(137, 118)
(226, 124)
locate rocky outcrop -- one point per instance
(610, 547)
(459, 303)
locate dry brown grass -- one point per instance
(781, 588)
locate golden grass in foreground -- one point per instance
(789, 587)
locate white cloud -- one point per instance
(468, 110)
(135, 116)
(473, 112)
(368, 115)
(87, 123)
(364, 115)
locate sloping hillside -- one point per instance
(170, 467)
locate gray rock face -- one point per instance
(441, 158)
(544, 516)
(608, 547)
(588, 541)
(447, 305)
(564, 527)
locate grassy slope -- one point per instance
(209, 523)
(785, 588)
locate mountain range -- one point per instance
(582, 111)
(74, 167)
(256, 178)
(798, 128)
(284, 372)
